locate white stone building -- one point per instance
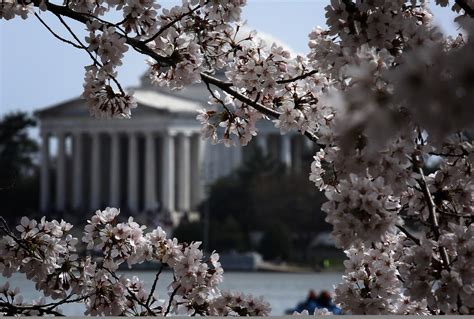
(154, 162)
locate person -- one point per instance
(325, 301)
(310, 304)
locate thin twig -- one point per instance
(432, 213)
(21, 309)
(142, 47)
(171, 300)
(132, 294)
(55, 34)
(218, 99)
(262, 108)
(107, 23)
(300, 77)
(153, 287)
(5, 224)
(259, 107)
(6, 229)
(66, 301)
(409, 235)
(171, 23)
(88, 52)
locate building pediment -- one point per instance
(150, 103)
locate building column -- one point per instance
(150, 173)
(61, 173)
(184, 174)
(44, 190)
(167, 187)
(77, 171)
(285, 155)
(196, 170)
(297, 154)
(95, 172)
(236, 157)
(115, 170)
(262, 142)
(308, 145)
(133, 172)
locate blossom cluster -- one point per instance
(383, 93)
(9, 9)
(444, 288)
(371, 284)
(101, 98)
(392, 83)
(46, 253)
(236, 120)
(360, 211)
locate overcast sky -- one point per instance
(38, 71)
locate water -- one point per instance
(282, 291)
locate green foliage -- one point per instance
(227, 236)
(18, 172)
(261, 197)
(188, 232)
(16, 147)
(276, 243)
(224, 236)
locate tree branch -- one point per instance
(409, 235)
(153, 287)
(82, 46)
(432, 213)
(171, 300)
(259, 107)
(469, 11)
(6, 229)
(302, 76)
(143, 48)
(15, 309)
(51, 306)
(132, 294)
(172, 22)
(55, 34)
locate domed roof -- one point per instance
(198, 92)
(267, 38)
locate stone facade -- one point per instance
(154, 162)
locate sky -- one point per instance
(37, 70)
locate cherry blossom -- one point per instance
(46, 253)
(382, 92)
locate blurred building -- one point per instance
(154, 162)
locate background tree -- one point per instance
(18, 170)
(261, 198)
(277, 242)
(17, 148)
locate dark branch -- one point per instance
(153, 287)
(469, 11)
(302, 76)
(173, 22)
(19, 310)
(131, 293)
(55, 34)
(259, 107)
(171, 300)
(208, 86)
(6, 229)
(409, 235)
(432, 213)
(142, 47)
(51, 306)
(82, 46)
